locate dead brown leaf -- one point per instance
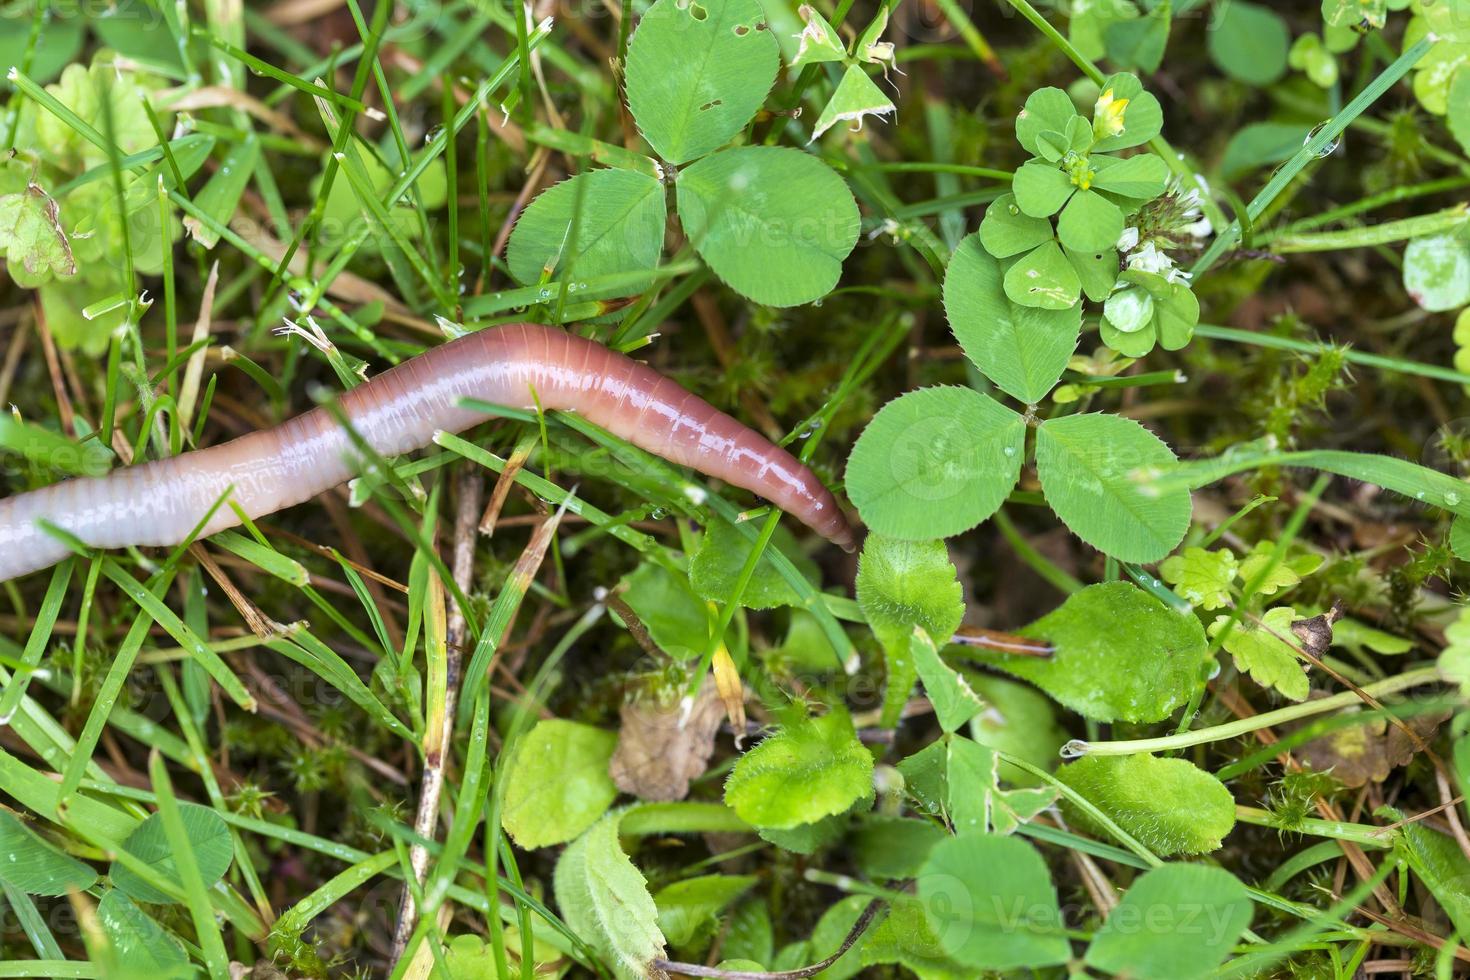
(1365, 753)
(656, 757)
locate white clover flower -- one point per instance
(1128, 241)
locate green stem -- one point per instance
(1397, 364)
(1363, 834)
(1281, 716)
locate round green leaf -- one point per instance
(1006, 230)
(1249, 42)
(208, 835)
(1176, 922)
(558, 784)
(1090, 223)
(1024, 350)
(935, 462)
(1135, 344)
(903, 584)
(619, 217)
(1129, 310)
(1086, 465)
(1170, 805)
(1120, 654)
(1041, 189)
(990, 902)
(1434, 73)
(697, 73)
(1143, 118)
(774, 223)
(1437, 271)
(1044, 279)
(1448, 19)
(1046, 110)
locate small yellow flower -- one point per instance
(1107, 117)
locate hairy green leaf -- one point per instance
(810, 769)
(1170, 805)
(557, 784)
(605, 900)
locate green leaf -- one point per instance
(1249, 42)
(954, 701)
(1308, 54)
(774, 223)
(1434, 73)
(208, 835)
(697, 72)
(1041, 189)
(32, 242)
(1120, 654)
(1139, 42)
(605, 901)
(1176, 922)
(1020, 721)
(818, 41)
(1203, 578)
(810, 769)
(1024, 350)
(36, 867)
(975, 800)
(1283, 575)
(687, 909)
(677, 619)
(557, 784)
(904, 938)
(1170, 805)
(1130, 309)
(1143, 117)
(906, 584)
(1006, 230)
(856, 96)
(1090, 222)
(1372, 14)
(57, 46)
(990, 903)
(1439, 863)
(716, 566)
(893, 848)
(1259, 144)
(1259, 651)
(1437, 271)
(1098, 272)
(139, 942)
(1043, 278)
(936, 461)
(1046, 110)
(1448, 19)
(619, 216)
(1085, 464)
(1458, 107)
(1141, 177)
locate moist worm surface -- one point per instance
(161, 502)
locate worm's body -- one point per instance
(161, 502)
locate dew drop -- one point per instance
(1451, 499)
(1010, 450)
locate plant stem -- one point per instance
(1386, 363)
(1364, 835)
(1391, 685)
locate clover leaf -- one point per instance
(1045, 273)
(1148, 309)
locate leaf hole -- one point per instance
(698, 11)
(741, 30)
(710, 105)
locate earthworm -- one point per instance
(517, 365)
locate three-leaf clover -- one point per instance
(1148, 308)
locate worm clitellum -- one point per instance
(161, 502)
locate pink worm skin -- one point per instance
(161, 502)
